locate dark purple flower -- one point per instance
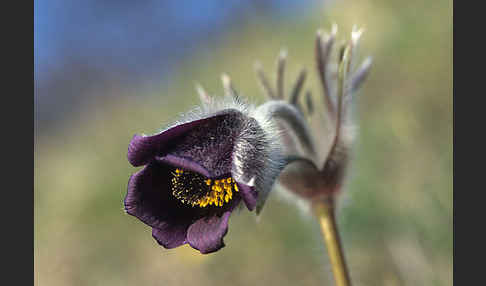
(198, 171)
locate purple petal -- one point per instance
(143, 148)
(248, 194)
(206, 234)
(183, 163)
(210, 146)
(149, 200)
(170, 236)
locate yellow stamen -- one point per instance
(219, 191)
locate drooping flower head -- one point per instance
(199, 170)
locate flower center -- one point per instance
(196, 190)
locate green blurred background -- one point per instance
(395, 214)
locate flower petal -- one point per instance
(143, 148)
(206, 234)
(170, 236)
(249, 195)
(183, 163)
(211, 145)
(149, 200)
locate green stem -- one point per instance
(324, 211)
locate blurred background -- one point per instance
(106, 70)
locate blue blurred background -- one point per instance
(82, 48)
(106, 70)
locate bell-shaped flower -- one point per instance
(197, 172)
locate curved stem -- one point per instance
(324, 211)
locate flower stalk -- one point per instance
(313, 178)
(324, 211)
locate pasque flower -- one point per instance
(228, 153)
(199, 170)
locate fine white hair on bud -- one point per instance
(258, 157)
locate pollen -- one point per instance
(198, 191)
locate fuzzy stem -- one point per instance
(324, 211)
